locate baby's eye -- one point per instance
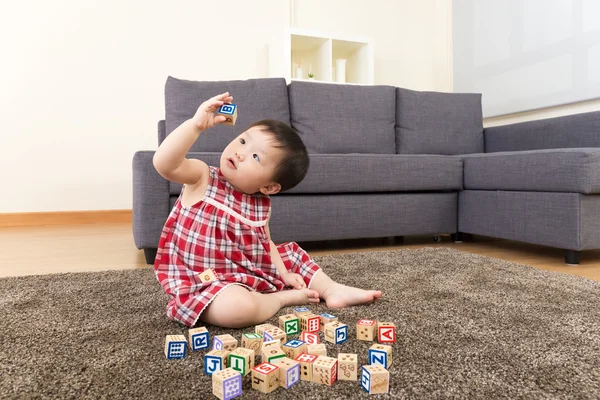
(242, 141)
(256, 157)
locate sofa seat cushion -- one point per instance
(367, 173)
(574, 170)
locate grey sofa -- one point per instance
(388, 161)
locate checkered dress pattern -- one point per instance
(225, 232)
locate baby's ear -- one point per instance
(271, 188)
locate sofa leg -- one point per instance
(572, 257)
(457, 237)
(150, 255)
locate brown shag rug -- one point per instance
(468, 327)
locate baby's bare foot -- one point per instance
(297, 297)
(338, 296)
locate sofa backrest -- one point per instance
(258, 99)
(438, 123)
(332, 118)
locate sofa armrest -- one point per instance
(150, 201)
(569, 131)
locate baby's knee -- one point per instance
(232, 309)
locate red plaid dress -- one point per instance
(225, 232)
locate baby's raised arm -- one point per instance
(169, 160)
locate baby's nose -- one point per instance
(240, 156)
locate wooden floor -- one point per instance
(78, 248)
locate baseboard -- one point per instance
(65, 218)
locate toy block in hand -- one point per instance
(290, 324)
(325, 370)
(294, 348)
(215, 360)
(289, 372)
(310, 322)
(306, 366)
(309, 338)
(347, 367)
(271, 353)
(380, 354)
(274, 334)
(224, 342)
(265, 377)
(365, 329)
(327, 318)
(227, 384)
(175, 346)
(208, 275)
(199, 338)
(375, 379)
(252, 341)
(229, 111)
(386, 332)
(260, 329)
(319, 349)
(336, 332)
(242, 360)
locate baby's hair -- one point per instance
(294, 164)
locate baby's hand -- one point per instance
(293, 280)
(205, 115)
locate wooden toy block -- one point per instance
(336, 332)
(224, 342)
(272, 343)
(290, 324)
(289, 372)
(347, 367)
(309, 338)
(199, 338)
(306, 366)
(365, 329)
(299, 311)
(274, 334)
(175, 346)
(318, 349)
(265, 377)
(310, 323)
(227, 384)
(208, 275)
(215, 360)
(375, 379)
(386, 332)
(325, 370)
(271, 353)
(260, 329)
(229, 111)
(252, 341)
(294, 348)
(242, 360)
(327, 318)
(380, 354)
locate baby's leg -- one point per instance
(238, 307)
(337, 295)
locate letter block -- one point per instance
(289, 372)
(271, 353)
(229, 111)
(310, 323)
(241, 360)
(380, 354)
(386, 332)
(327, 318)
(260, 329)
(252, 341)
(274, 334)
(175, 346)
(215, 360)
(227, 384)
(199, 338)
(336, 332)
(265, 377)
(309, 338)
(294, 348)
(365, 329)
(298, 311)
(375, 379)
(290, 324)
(224, 342)
(318, 349)
(306, 366)
(347, 367)
(325, 370)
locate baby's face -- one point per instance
(249, 161)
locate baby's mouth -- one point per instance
(231, 163)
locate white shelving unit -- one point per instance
(317, 53)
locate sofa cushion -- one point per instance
(257, 99)
(555, 170)
(438, 123)
(367, 173)
(333, 118)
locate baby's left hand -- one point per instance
(293, 280)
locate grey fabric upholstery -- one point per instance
(261, 98)
(556, 170)
(578, 130)
(334, 118)
(438, 123)
(162, 131)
